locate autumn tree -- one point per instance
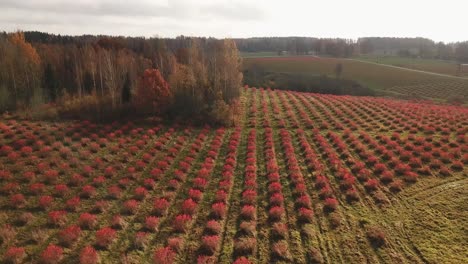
(153, 93)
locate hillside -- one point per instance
(304, 178)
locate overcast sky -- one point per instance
(440, 20)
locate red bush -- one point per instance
(396, 186)
(219, 209)
(57, 218)
(189, 206)
(140, 193)
(276, 212)
(61, 190)
(200, 183)
(89, 256)
(210, 244)
(73, 203)
(242, 260)
(151, 223)
(213, 226)
(130, 207)
(87, 220)
(276, 199)
(371, 185)
(164, 255)
(160, 206)
(105, 236)
(88, 191)
(195, 194)
(330, 204)
(181, 222)
(152, 93)
(249, 196)
(304, 201)
(17, 200)
(305, 215)
(280, 230)
(52, 255)
(45, 201)
(14, 255)
(69, 235)
(248, 212)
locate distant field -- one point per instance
(258, 54)
(384, 79)
(430, 65)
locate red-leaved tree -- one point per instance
(153, 92)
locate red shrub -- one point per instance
(457, 165)
(181, 222)
(210, 244)
(276, 199)
(410, 176)
(330, 204)
(105, 236)
(69, 235)
(213, 226)
(17, 200)
(200, 183)
(57, 218)
(164, 255)
(202, 259)
(160, 206)
(371, 185)
(280, 230)
(45, 201)
(352, 195)
(141, 240)
(14, 255)
(61, 190)
(274, 187)
(276, 212)
(114, 191)
(87, 220)
(51, 176)
(189, 206)
(52, 255)
(89, 256)
(73, 203)
(305, 215)
(195, 194)
(248, 212)
(175, 243)
(140, 193)
(88, 191)
(304, 201)
(151, 223)
(130, 207)
(37, 188)
(219, 209)
(249, 196)
(396, 186)
(242, 260)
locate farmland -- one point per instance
(304, 178)
(381, 78)
(430, 65)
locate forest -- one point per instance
(101, 77)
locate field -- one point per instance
(383, 79)
(305, 178)
(430, 65)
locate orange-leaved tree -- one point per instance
(153, 93)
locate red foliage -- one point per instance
(305, 214)
(242, 260)
(45, 201)
(105, 236)
(57, 218)
(248, 212)
(276, 212)
(164, 255)
(140, 193)
(371, 185)
(87, 220)
(160, 206)
(153, 91)
(213, 227)
(189, 206)
(73, 203)
(61, 189)
(249, 196)
(210, 244)
(219, 209)
(181, 222)
(151, 223)
(14, 255)
(195, 194)
(89, 256)
(130, 206)
(69, 235)
(52, 255)
(331, 204)
(88, 191)
(17, 200)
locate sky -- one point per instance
(435, 19)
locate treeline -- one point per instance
(306, 83)
(409, 47)
(100, 77)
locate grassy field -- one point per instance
(386, 80)
(430, 65)
(304, 178)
